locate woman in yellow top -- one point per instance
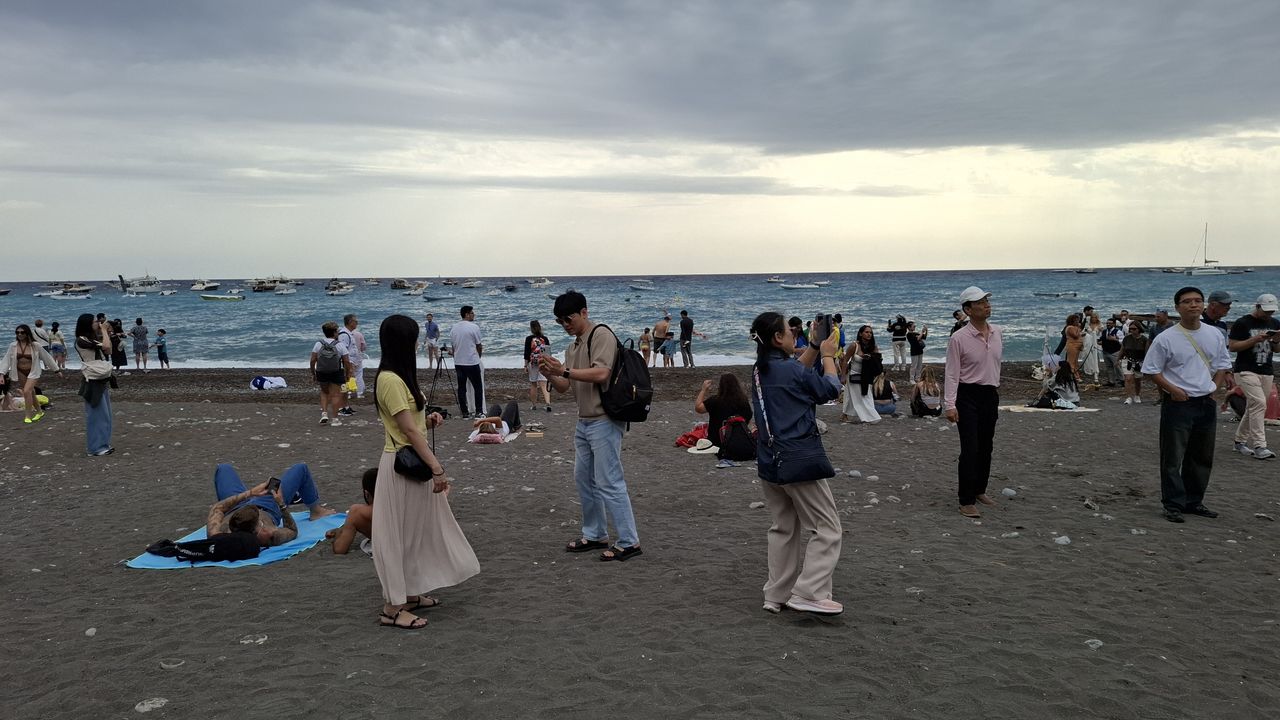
(417, 544)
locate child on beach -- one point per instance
(669, 348)
(162, 348)
(359, 516)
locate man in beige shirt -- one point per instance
(597, 441)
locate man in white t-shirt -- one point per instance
(467, 350)
(1189, 361)
(351, 342)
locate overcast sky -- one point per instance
(234, 139)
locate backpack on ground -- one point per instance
(629, 393)
(328, 360)
(737, 441)
(223, 546)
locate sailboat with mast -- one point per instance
(1208, 267)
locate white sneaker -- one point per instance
(1244, 450)
(1128, 400)
(1137, 400)
(771, 607)
(335, 422)
(818, 607)
(324, 418)
(1263, 453)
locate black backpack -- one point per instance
(328, 359)
(223, 546)
(737, 441)
(629, 393)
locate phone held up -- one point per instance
(820, 330)
(273, 485)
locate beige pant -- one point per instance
(797, 568)
(1252, 430)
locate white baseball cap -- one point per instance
(1267, 302)
(973, 293)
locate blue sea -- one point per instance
(266, 330)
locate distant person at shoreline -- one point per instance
(1160, 324)
(646, 345)
(359, 516)
(897, 329)
(597, 438)
(140, 345)
(660, 336)
(960, 319)
(1133, 350)
(467, 351)
(1073, 338)
(915, 344)
(972, 397)
(669, 348)
(330, 367)
(861, 363)
(118, 357)
(92, 343)
(58, 345)
(1254, 339)
(162, 348)
(431, 340)
(1189, 364)
(536, 343)
(353, 343)
(686, 338)
(1089, 335)
(797, 495)
(1110, 340)
(40, 335)
(265, 514)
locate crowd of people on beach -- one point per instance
(800, 366)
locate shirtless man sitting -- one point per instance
(359, 517)
(267, 514)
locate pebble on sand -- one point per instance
(756, 505)
(1008, 492)
(1094, 644)
(1062, 540)
(151, 704)
(91, 632)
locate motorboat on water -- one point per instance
(340, 291)
(228, 296)
(372, 282)
(399, 284)
(774, 279)
(288, 290)
(433, 298)
(417, 289)
(472, 284)
(337, 284)
(509, 287)
(78, 296)
(75, 289)
(205, 286)
(540, 283)
(145, 284)
(1086, 271)
(135, 295)
(4, 291)
(260, 285)
(642, 287)
(800, 286)
(449, 281)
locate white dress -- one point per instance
(857, 405)
(1089, 353)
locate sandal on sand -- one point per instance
(584, 545)
(620, 553)
(417, 623)
(423, 602)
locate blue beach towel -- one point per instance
(309, 533)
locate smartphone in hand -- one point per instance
(273, 485)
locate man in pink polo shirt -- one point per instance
(971, 398)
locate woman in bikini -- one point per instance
(22, 364)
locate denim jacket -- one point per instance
(790, 392)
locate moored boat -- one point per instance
(800, 286)
(205, 286)
(229, 296)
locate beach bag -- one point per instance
(328, 360)
(691, 438)
(737, 441)
(801, 460)
(99, 368)
(629, 393)
(221, 547)
(410, 464)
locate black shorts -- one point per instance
(337, 377)
(162, 356)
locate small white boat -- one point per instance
(775, 279)
(64, 296)
(135, 295)
(822, 283)
(5, 291)
(229, 296)
(540, 283)
(167, 293)
(234, 291)
(433, 298)
(471, 284)
(205, 286)
(800, 286)
(372, 282)
(46, 293)
(494, 291)
(286, 291)
(338, 292)
(642, 287)
(1209, 267)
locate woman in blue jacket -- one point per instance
(794, 466)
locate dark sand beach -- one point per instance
(945, 617)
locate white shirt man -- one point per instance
(468, 347)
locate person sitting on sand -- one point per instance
(884, 395)
(258, 511)
(926, 396)
(497, 425)
(359, 517)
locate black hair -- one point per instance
(569, 303)
(100, 317)
(684, 313)
(398, 340)
(795, 321)
(731, 395)
(863, 345)
(763, 329)
(464, 311)
(838, 318)
(54, 327)
(369, 481)
(161, 331)
(84, 332)
(1066, 377)
(138, 321)
(1177, 297)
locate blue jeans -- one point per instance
(597, 470)
(97, 424)
(1187, 432)
(296, 485)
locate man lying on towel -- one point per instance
(259, 511)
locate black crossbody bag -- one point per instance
(794, 461)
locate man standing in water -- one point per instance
(597, 441)
(686, 338)
(972, 398)
(660, 335)
(1189, 362)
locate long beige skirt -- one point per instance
(417, 544)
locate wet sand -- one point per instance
(945, 617)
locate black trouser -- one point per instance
(1187, 432)
(978, 407)
(509, 414)
(472, 373)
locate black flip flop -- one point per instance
(585, 545)
(621, 554)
